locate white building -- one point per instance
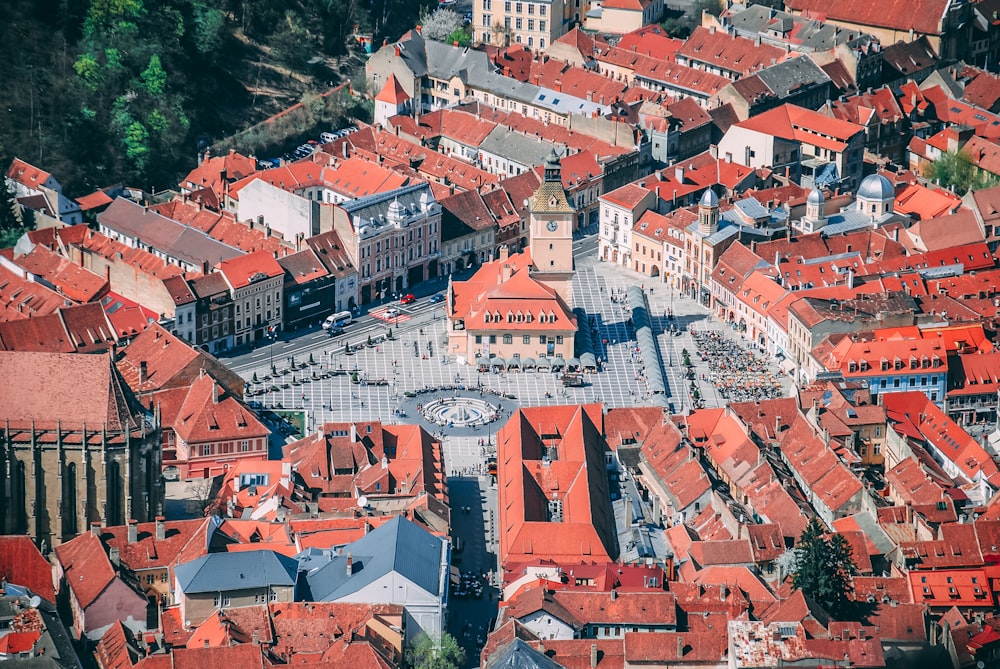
(396, 563)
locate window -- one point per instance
(206, 449)
(541, 10)
(508, 339)
(273, 596)
(531, 9)
(479, 339)
(531, 24)
(244, 446)
(559, 339)
(541, 42)
(526, 339)
(506, 6)
(226, 601)
(520, 8)
(518, 24)
(541, 339)
(493, 339)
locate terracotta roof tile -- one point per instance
(23, 564)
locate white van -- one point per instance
(327, 137)
(338, 320)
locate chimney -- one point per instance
(161, 528)
(505, 273)
(142, 372)
(614, 594)
(680, 646)
(215, 392)
(133, 530)
(115, 556)
(95, 529)
(711, 30)
(350, 564)
(354, 433)
(396, 49)
(504, 253)
(679, 174)
(420, 29)
(593, 656)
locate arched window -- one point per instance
(69, 500)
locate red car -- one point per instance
(408, 299)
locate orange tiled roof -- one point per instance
(392, 92)
(804, 125)
(923, 16)
(528, 484)
(27, 175)
(739, 55)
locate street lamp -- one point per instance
(272, 334)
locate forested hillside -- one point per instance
(106, 91)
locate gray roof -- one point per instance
(445, 61)
(751, 208)
(789, 76)
(398, 207)
(811, 35)
(399, 546)
(166, 235)
(519, 655)
(221, 572)
(876, 187)
(515, 146)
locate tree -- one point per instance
(442, 653)
(955, 170)
(824, 565)
(440, 24)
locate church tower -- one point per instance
(551, 242)
(708, 213)
(391, 101)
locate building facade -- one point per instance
(76, 447)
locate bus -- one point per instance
(338, 320)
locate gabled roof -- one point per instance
(236, 571)
(86, 567)
(21, 563)
(804, 125)
(241, 272)
(519, 655)
(72, 388)
(26, 174)
(399, 546)
(719, 49)
(923, 16)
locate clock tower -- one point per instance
(551, 231)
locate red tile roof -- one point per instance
(242, 271)
(738, 55)
(923, 16)
(86, 567)
(965, 588)
(22, 563)
(651, 41)
(527, 484)
(26, 174)
(392, 92)
(804, 125)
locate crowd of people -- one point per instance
(738, 374)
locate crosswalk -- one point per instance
(385, 315)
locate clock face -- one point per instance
(551, 226)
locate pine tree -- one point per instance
(824, 566)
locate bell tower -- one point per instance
(552, 232)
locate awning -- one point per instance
(558, 363)
(787, 365)
(543, 362)
(514, 362)
(527, 362)
(589, 362)
(456, 575)
(498, 362)
(573, 363)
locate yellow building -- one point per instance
(520, 306)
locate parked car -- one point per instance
(436, 298)
(349, 129)
(327, 137)
(409, 298)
